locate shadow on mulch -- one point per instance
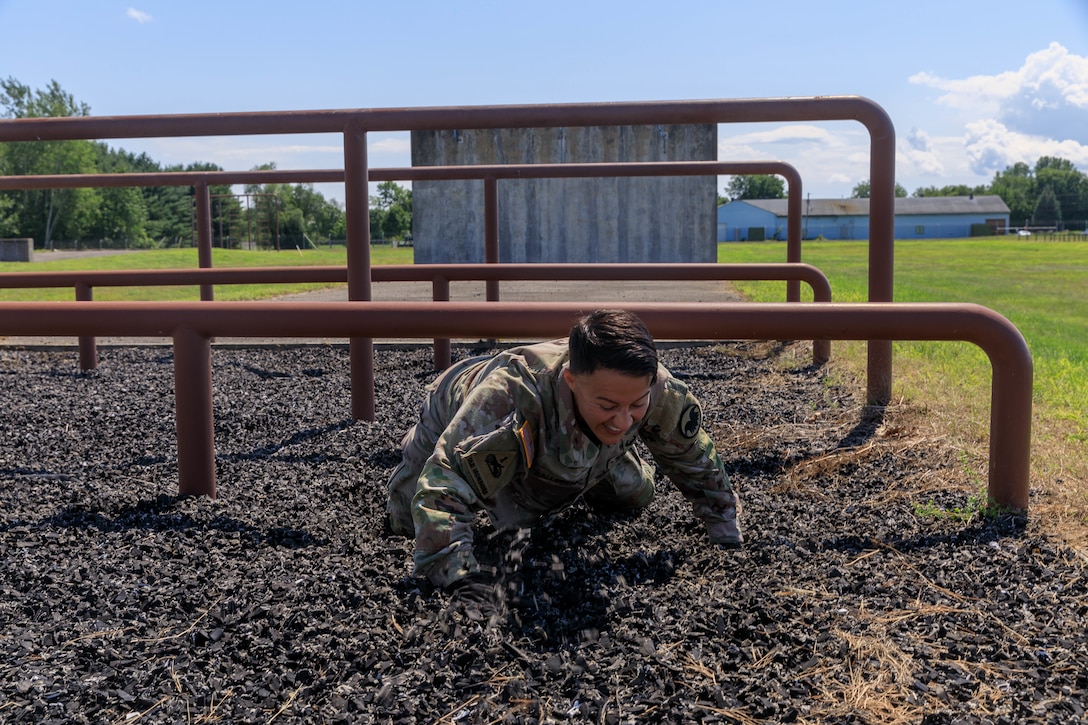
(158, 515)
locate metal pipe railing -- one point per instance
(192, 324)
(357, 123)
(440, 275)
(490, 174)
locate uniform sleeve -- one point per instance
(674, 434)
(480, 452)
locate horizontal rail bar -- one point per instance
(88, 279)
(679, 271)
(356, 124)
(1010, 413)
(753, 110)
(487, 172)
(415, 173)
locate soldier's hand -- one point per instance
(477, 596)
(725, 535)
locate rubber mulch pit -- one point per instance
(871, 589)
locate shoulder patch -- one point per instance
(489, 470)
(691, 420)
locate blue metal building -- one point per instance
(931, 217)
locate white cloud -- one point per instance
(802, 133)
(917, 154)
(980, 94)
(991, 146)
(138, 15)
(831, 158)
(1042, 105)
(390, 145)
(245, 152)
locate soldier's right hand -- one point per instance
(477, 595)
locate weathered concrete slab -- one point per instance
(650, 219)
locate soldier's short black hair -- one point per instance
(614, 340)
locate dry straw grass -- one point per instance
(868, 669)
(951, 417)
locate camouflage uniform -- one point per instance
(499, 433)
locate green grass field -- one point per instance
(1041, 287)
(187, 259)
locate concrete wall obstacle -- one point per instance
(646, 219)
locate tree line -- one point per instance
(263, 215)
(1052, 193)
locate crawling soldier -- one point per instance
(526, 432)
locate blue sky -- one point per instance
(971, 86)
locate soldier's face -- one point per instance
(609, 402)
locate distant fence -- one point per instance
(1059, 236)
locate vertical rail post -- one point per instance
(1009, 471)
(88, 347)
(881, 251)
(491, 232)
(204, 235)
(440, 292)
(793, 236)
(193, 413)
(357, 212)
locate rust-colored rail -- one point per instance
(355, 124)
(439, 275)
(489, 174)
(193, 324)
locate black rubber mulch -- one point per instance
(870, 590)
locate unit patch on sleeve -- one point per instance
(691, 420)
(488, 471)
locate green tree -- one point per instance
(120, 213)
(48, 213)
(228, 217)
(292, 228)
(167, 214)
(8, 223)
(320, 214)
(756, 186)
(1016, 187)
(122, 216)
(391, 212)
(1048, 210)
(951, 190)
(863, 189)
(1068, 186)
(305, 214)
